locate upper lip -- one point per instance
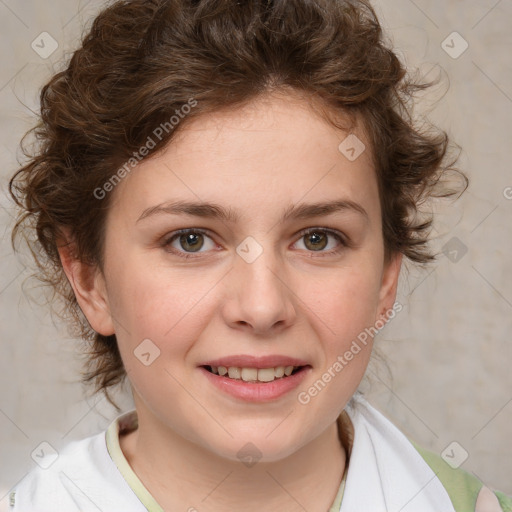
(247, 361)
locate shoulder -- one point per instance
(467, 493)
(408, 466)
(49, 486)
(81, 478)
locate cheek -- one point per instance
(165, 306)
(343, 307)
(169, 310)
(345, 302)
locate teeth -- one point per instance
(249, 374)
(253, 374)
(266, 374)
(234, 373)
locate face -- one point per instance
(272, 282)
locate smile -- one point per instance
(254, 374)
(255, 384)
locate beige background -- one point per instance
(449, 350)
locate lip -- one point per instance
(257, 391)
(248, 361)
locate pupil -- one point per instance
(316, 237)
(190, 239)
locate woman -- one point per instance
(224, 194)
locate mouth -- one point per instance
(255, 375)
(256, 379)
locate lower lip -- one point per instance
(257, 391)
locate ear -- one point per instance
(389, 286)
(89, 286)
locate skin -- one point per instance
(293, 300)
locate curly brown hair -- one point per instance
(143, 60)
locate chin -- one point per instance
(250, 450)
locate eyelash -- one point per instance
(336, 234)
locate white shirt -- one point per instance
(85, 478)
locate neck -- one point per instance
(182, 475)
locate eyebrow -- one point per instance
(216, 211)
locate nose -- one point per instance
(259, 298)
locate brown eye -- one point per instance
(186, 242)
(192, 241)
(316, 240)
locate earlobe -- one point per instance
(89, 288)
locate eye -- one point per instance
(316, 240)
(190, 240)
(186, 242)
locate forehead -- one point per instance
(276, 150)
(285, 121)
